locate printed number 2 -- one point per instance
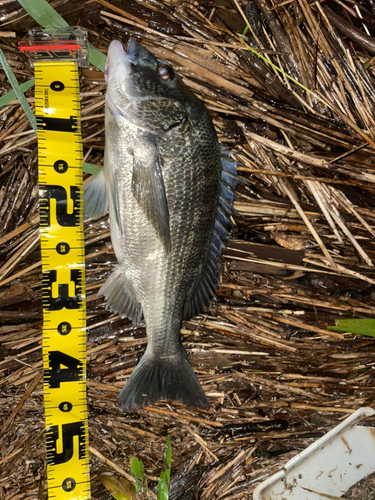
(62, 216)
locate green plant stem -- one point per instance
(17, 89)
(346, 119)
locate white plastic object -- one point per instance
(330, 466)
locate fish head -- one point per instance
(143, 89)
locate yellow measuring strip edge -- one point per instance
(57, 109)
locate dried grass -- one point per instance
(302, 251)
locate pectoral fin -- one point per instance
(149, 190)
(115, 189)
(95, 197)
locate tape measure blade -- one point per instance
(63, 281)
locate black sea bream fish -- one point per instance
(169, 190)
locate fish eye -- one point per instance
(165, 72)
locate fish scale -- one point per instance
(163, 179)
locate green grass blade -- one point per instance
(168, 458)
(17, 89)
(90, 169)
(11, 95)
(43, 13)
(163, 487)
(356, 326)
(165, 475)
(138, 471)
(96, 58)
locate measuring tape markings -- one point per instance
(57, 108)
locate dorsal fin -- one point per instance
(206, 287)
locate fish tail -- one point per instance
(155, 379)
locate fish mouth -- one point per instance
(122, 97)
(118, 74)
(118, 70)
(117, 57)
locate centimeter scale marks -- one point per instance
(57, 109)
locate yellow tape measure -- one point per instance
(57, 108)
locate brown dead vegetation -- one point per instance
(302, 252)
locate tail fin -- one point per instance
(155, 379)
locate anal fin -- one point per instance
(120, 296)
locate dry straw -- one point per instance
(301, 254)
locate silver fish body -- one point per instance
(169, 203)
